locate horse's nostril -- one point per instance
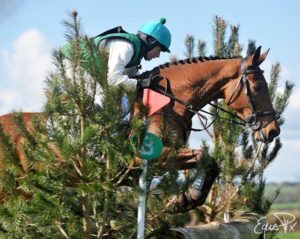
(272, 134)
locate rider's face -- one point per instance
(153, 53)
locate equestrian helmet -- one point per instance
(159, 32)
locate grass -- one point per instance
(288, 193)
(286, 206)
(288, 235)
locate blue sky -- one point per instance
(30, 29)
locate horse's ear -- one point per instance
(263, 56)
(257, 58)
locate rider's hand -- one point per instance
(145, 83)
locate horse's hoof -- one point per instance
(180, 204)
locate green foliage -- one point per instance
(201, 48)
(233, 47)
(219, 32)
(280, 99)
(251, 47)
(74, 154)
(190, 46)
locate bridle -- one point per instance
(252, 121)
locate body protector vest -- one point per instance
(85, 49)
(119, 33)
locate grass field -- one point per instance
(288, 193)
(288, 235)
(286, 206)
(288, 201)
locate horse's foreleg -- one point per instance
(180, 159)
(205, 172)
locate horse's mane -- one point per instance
(193, 60)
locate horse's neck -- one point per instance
(203, 82)
(217, 76)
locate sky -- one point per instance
(31, 29)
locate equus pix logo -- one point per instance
(285, 222)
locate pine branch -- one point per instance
(275, 71)
(201, 48)
(251, 47)
(219, 31)
(190, 46)
(62, 230)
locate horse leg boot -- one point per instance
(199, 190)
(201, 186)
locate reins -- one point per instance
(196, 110)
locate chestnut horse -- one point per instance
(192, 84)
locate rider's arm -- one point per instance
(120, 54)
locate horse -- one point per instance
(191, 84)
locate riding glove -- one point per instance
(145, 83)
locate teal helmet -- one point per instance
(159, 32)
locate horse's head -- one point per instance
(249, 96)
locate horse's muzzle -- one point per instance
(266, 136)
(273, 134)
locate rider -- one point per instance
(126, 50)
